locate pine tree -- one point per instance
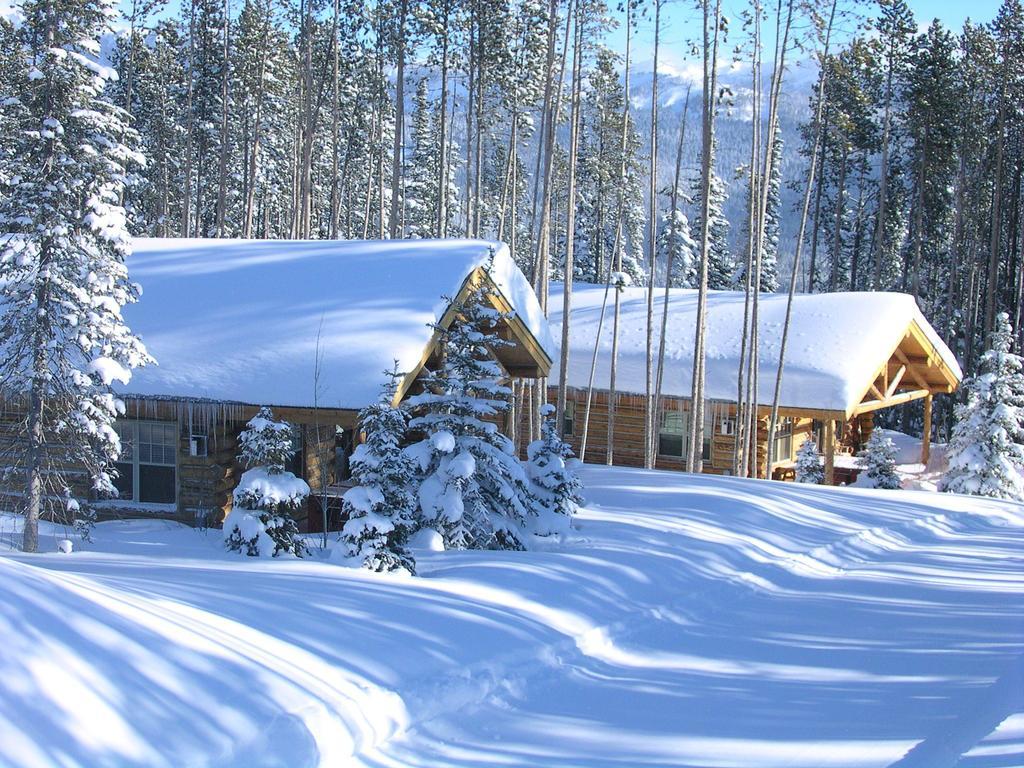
(931, 123)
(65, 237)
(809, 468)
(381, 507)
(471, 485)
(260, 523)
(772, 221)
(720, 261)
(421, 193)
(986, 453)
(552, 469)
(879, 461)
(677, 249)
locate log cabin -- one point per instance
(309, 328)
(849, 355)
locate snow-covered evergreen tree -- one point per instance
(63, 242)
(260, 523)
(772, 225)
(809, 468)
(986, 452)
(677, 249)
(552, 469)
(421, 186)
(472, 487)
(879, 461)
(381, 508)
(720, 262)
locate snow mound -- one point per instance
(685, 621)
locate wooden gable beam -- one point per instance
(896, 379)
(903, 397)
(518, 328)
(908, 365)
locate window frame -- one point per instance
(569, 419)
(785, 432)
(134, 427)
(706, 445)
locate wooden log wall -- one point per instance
(205, 483)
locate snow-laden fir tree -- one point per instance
(472, 487)
(420, 192)
(809, 468)
(720, 262)
(381, 507)
(63, 242)
(772, 225)
(879, 461)
(260, 523)
(677, 249)
(553, 471)
(986, 452)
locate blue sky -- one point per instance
(681, 23)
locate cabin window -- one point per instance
(818, 433)
(569, 419)
(11, 407)
(672, 435)
(147, 467)
(727, 426)
(295, 463)
(784, 439)
(198, 442)
(342, 454)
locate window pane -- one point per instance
(156, 484)
(670, 445)
(124, 431)
(672, 423)
(123, 482)
(294, 464)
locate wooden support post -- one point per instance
(926, 441)
(830, 451)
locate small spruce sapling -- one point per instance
(809, 468)
(986, 452)
(552, 469)
(261, 522)
(381, 507)
(879, 461)
(472, 486)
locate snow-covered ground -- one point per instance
(914, 475)
(690, 621)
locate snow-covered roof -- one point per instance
(237, 320)
(837, 342)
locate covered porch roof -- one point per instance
(847, 353)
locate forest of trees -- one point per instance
(514, 120)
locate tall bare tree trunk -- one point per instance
(652, 250)
(222, 170)
(694, 455)
(186, 201)
(616, 256)
(441, 227)
(812, 168)
(673, 207)
(614, 264)
(743, 420)
(570, 219)
(396, 145)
